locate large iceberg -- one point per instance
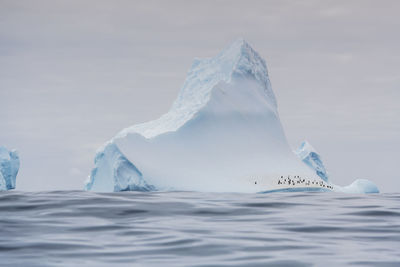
(222, 134)
(9, 166)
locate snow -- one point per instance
(9, 166)
(222, 134)
(312, 159)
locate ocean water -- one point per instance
(73, 228)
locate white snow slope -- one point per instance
(222, 134)
(9, 166)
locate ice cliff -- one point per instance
(310, 157)
(9, 166)
(222, 134)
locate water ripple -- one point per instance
(68, 228)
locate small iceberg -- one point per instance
(9, 166)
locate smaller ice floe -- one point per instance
(9, 166)
(312, 159)
(359, 186)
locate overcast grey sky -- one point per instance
(74, 73)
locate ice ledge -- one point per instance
(359, 186)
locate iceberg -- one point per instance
(222, 134)
(312, 159)
(9, 166)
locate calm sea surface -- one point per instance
(72, 228)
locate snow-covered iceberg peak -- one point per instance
(9, 166)
(237, 61)
(311, 157)
(222, 134)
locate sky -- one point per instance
(74, 73)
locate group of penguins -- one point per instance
(297, 180)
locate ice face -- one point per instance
(117, 173)
(312, 159)
(9, 166)
(222, 134)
